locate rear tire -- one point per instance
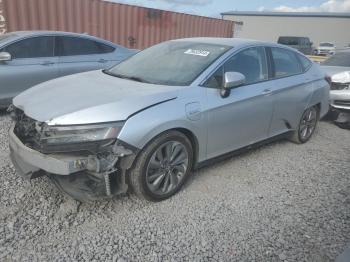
(306, 127)
(162, 167)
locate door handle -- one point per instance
(102, 61)
(267, 92)
(46, 63)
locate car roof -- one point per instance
(234, 42)
(291, 36)
(43, 32)
(21, 34)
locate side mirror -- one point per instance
(4, 56)
(231, 80)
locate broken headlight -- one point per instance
(60, 135)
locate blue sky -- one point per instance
(215, 7)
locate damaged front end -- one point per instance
(85, 161)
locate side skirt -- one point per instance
(241, 150)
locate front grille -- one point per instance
(339, 86)
(25, 129)
(342, 103)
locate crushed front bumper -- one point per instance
(77, 176)
(340, 99)
(30, 161)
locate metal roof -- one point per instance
(22, 34)
(234, 42)
(289, 14)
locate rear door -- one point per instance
(33, 62)
(244, 117)
(78, 54)
(291, 90)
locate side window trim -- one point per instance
(270, 63)
(57, 46)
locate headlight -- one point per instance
(59, 135)
(343, 77)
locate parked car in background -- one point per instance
(325, 48)
(302, 44)
(148, 121)
(29, 58)
(338, 68)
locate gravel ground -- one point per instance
(281, 202)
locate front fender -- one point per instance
(144, 126)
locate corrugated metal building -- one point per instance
(268, 26)
(131, 26)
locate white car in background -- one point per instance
(338, 68)
(325, 48)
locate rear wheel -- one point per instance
(162, 166)
(307, 126)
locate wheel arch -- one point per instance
(193, 139)
(185, 131)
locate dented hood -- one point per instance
(92, 97)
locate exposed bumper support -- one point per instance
(82, 177)
(31, 160)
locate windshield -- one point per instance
(288, 40)
(339, 59)
(169, 63)
(326, 44)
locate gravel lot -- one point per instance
(281, 202)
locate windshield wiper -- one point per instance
(134, 78)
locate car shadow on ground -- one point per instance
(226, 160)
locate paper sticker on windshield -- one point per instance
(197, 52)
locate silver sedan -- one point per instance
(33, 57)
(150, 120)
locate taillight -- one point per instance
(328, 79)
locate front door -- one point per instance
(243, 117)
(33, 62)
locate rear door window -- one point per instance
(73, 46)
(286, 62)
(34, 47)
(305, 62)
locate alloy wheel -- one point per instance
(167, 167)
(308, 123)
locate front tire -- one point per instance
(162, 167)
(307, 126)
